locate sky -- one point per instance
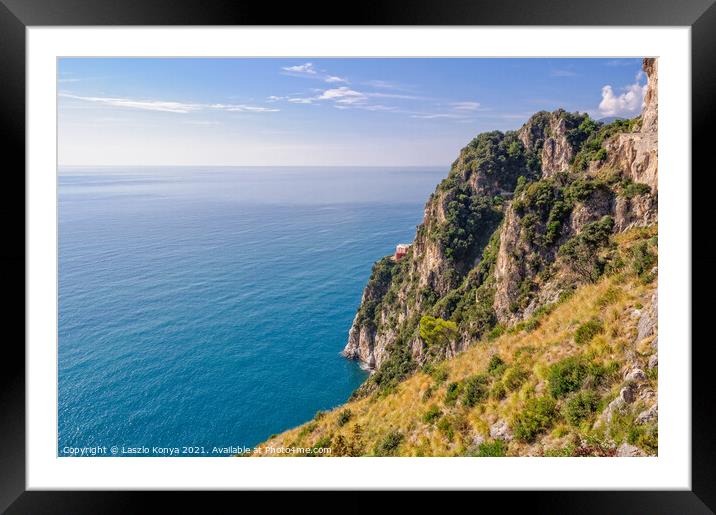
(318, 112)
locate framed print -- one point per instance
(443, 249)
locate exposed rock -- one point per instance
(650, 114)
(647, 395)
(635, 154)
(500, 430)
(477, 440)
(647, 322)
(628, 394)
(547, 133)
(509, 270)
(627, 450)
(360, 344)
(557, 152)
(638, 211)
(616, 406)
(648, 415)
(527, 272)
(653, 361)
(599, 204)
(635, 374)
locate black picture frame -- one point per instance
(17, 15)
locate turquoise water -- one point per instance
(207, 307)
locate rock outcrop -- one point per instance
(489, 248)
(521, 259)
(635, 154)
(522, 321)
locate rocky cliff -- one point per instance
(523, 319)
(521, 219)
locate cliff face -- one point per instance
(580, 382)
(535, 272)
(520, 220)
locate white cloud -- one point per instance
(395, 95)
(168, 106)
(297, 100)
(343, 95)
(148, 105)
(307, 69)
(466, 106)
(627, 103)
(239, 108)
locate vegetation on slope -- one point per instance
(493, 164)
(540, 387)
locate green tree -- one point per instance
(437, 333)
(582, 252)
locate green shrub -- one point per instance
(439, 374)
(592, 149)
(496, 332)
(428, 393)
(599, 373)
(609, 297)
(557, 215)
(432, 414)
(537, 416)
(645, 436)
(344, 416)
(514, 377)
(581, 189)
(399, 365)
(307, 429)
(496, 366)
(474, 390)
(452, 393)
(631, 189)
(577, 135)
(498, 391)
(532, 324)
(496, 448)
(580, 407)
(344, 446)
(566, 376)
(389, 444)
(587, 331)
(324, 442)
(445, 426)
(379, 282)
(642, 260)
(470, 219)
(437, 333)
(582, 252)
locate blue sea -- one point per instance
(207, 307)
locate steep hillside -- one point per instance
(578, 378)
(509, 322)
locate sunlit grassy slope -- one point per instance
(535, 390)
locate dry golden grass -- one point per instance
(612, 300)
